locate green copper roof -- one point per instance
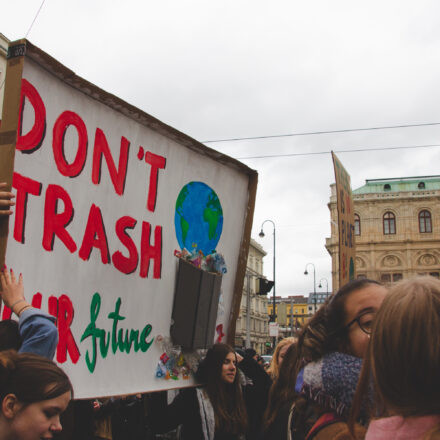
(399, 184)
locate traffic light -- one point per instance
(265, 286)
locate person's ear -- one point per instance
(10, 406)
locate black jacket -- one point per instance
(184, 410)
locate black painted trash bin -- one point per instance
(195, 307)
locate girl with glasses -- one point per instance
(325, 367)
(404, 360)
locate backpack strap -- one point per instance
(324, 420)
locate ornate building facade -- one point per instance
(258, 318)
(397, 229)
(4, 43)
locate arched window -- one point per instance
(357, 225)
(389, 223)
(421, 185)
(387, 187)
(425, 224)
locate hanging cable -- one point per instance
(356, 150)
(312, 133)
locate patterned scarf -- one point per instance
(331, 382)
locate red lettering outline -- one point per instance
(102, 149)
(32, 140)
(59, 131)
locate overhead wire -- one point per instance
(35, 18)
(354, 150)
(313, 133)
(26, 35)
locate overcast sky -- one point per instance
(230, 69)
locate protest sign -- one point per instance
(347, 245)
(106, 195)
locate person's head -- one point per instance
(404, 350)
(219, 371)
(219, 365)
(278, 355)
(34, 391)
(9, 335)
(250, 353)
(344, 322)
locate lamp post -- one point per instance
(314, 281)
(326, 283)
(261, 234)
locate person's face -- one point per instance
(39, 420)
(362, 303)
(282, 353)
(229, 368)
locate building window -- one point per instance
(434, 274)
(357, 225)
(425, 224)
(389, 223)
(385, 278)
(387, 187)
(421, 185)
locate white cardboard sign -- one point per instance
(103, 201)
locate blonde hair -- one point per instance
(404, 351)
(274, 367)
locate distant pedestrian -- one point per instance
(278, 355)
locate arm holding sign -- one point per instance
(38, 332)
(5, 200)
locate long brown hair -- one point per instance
(282, 390)
(226, 399)
(404, 352)
(31, 378)
(324, 333)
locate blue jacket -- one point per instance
(38, 333)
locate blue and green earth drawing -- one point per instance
(198, 218)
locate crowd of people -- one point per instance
(365, 366)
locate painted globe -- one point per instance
(198, 219)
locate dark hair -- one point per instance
(31, 378)
(227, 399)
(282, 390)
(324, 333)
(249, 353)
(9, 335)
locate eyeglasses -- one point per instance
(365, 322)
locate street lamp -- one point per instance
(326, 283)
(314, 280)
(261, 234)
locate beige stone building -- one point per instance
(4, 43)
(397, 229)
(258, 318)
